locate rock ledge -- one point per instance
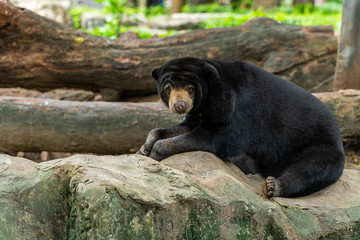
(187, 196)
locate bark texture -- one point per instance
(348, 71)
(38, 53)
(34, 125)
(68, 126)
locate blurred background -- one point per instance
(162, 18)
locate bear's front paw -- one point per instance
(143, 151)
(155, 154)
(271, 187)
(151, 139)
(159, 151)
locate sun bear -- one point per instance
(253, 118)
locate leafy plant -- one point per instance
(303, 8)
(113, 6)
(77, 11)
(112, 27)
(335, 1)
(156, 10)
(116, 9)
(325, 14)
(206, 8)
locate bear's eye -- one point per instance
(191, 90)
(167, 90)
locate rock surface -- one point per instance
(345, 105)
(187, 196)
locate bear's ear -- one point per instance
(211, 71)
(155, 73)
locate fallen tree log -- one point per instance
(38, 53)
(32, 124)
(112, 128)
(58, 94)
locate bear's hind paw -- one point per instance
(271, 187)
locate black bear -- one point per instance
(253, 118)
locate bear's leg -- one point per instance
(161, 133)
(245, 163)
(196, 140)
(311, 171)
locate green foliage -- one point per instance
(329, 8)
(169, 33)
(113, 6)
(111, 29)
(77, 11)
(116, 9)
(303, 8)
(325, 14)
(305, 15)
(335, 1)
(156, 10)
(206, 8)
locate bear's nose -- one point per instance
(180, 106)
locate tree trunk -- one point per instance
(303, 2)
(38, 53)
(176, 6)
(266, 4)
(34, 125)
(348, 62)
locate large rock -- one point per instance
(345, 105)
(187, 196)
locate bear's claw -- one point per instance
(143, 151)
(271, 187)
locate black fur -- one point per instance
(257, 120)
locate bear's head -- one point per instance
(183, 83)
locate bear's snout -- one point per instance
(180, 106)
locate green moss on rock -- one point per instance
(243, 225)
(201, 223)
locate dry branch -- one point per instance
(38, 53)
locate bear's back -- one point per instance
(277, 106)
